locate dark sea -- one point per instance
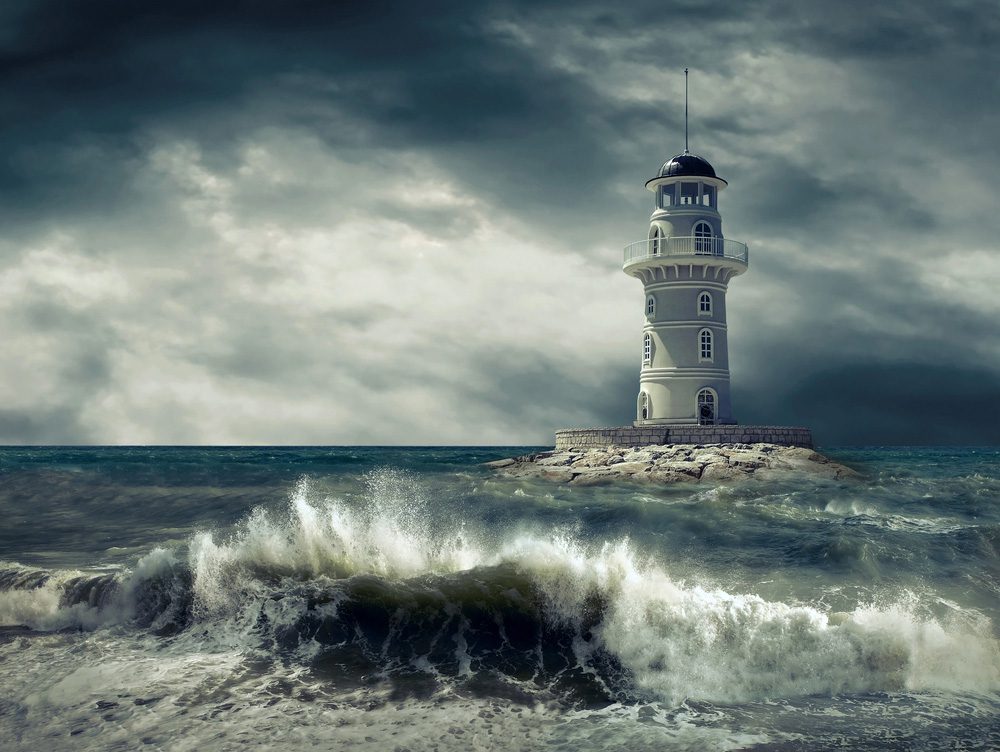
(405, 599)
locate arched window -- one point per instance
(704, 304)
(703, 242)
(643, 406)
(706, 407)
(650, 306)
(705, 344)
(647, 348)
(654, 242)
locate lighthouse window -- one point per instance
(647, 349)
(650, 306)
(643, 406)
(705, 304)
(708, 195)
(666, 196)
(689, 194)
(703, 238)
(705, 340)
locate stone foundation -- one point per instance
(632, 436)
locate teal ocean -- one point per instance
(406, 599)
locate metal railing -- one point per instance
(643, 250)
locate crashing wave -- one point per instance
(381, 590)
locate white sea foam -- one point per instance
(850, 508)
(688, 642)
(43, 607)
(869, 514)
(74, 599)
(327, 538)
(36, 608)
(677, 640)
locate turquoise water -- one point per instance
(405, 598)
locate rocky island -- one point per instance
(669, 463)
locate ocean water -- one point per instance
(405, 599)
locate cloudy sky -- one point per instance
(380, 222)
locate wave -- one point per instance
(386, 590)
(155, 594)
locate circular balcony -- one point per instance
(687, 250)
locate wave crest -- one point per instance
(383, 588)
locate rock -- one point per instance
(656, 475)
(670, 463)
(501, 463)
(559, 474)
(718, 471)
(637, 455)
(589, 460)
(597, 476)
(629, 468)
(801, 453)
(680, 467)
(555, 459)
(748, 460)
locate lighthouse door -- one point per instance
(703, 242)
(706, 407)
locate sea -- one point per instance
(388, 598)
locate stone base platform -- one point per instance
(672, 463)
(635, 436)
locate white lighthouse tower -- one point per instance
(685, 265)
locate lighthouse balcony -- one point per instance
(687, 250)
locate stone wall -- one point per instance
(645, 435)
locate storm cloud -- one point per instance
(253, 222)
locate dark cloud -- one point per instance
(41, 425)
(529, 389)
(56, 364)
(240, 175)
(888, 404)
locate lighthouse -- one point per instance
(685, 264)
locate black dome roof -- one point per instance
(687, 165)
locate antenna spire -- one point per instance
(685, 110)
